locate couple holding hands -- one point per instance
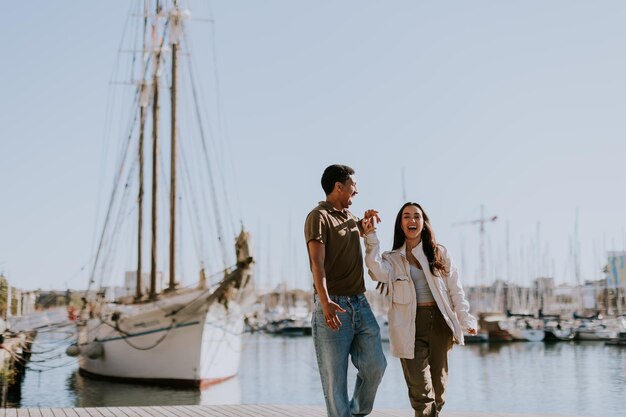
(428, 311)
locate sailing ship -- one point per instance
(187, 336)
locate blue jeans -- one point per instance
(357, 338)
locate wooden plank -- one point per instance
(82, 412)
(93, 411)
(210, 411)
(317, 411)
(304, 410)
(34, 412)
(392, 413)
(106, 412)
(116, 411)
(205, 411)
(291, 409)
(138, 411)
(238, 411)
(194, 411)
(127, 412)
(130, 411)
(245, 410)
(271, 410)
(180, 411)
(164, 411)
(313, 411)
(259, 410)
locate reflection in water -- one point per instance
(564, 378)
(280, 370)
(97, 393)
(11, 394)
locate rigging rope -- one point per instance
(193, 209)
(220, 119)
(111, 96)
(123, 162)
(217, 216)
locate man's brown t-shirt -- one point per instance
(338, 230)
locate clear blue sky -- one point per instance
(519, 106)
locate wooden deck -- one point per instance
(223, 411)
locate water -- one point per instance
(586, 378)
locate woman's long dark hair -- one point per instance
(436, 262)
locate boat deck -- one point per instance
(224, 411)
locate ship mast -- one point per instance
(143, 103)
(155, 143)
(142, 113)
(175, 21)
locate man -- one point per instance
(343, 323)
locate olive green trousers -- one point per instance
(426, 374)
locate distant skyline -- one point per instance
(516, 106)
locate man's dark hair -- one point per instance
(335, 173)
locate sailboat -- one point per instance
(185, 336)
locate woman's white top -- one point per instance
(422, 290)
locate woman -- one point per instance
(428, 309)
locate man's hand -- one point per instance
(368, 225)
(369, 220)
(330, 314)
(371, 213)
(471, 331)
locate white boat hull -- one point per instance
(528, 335)
(154, 346)
(596, 334)
(480, 337)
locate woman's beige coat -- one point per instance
(392, 268)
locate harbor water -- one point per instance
(566, 378)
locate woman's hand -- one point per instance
(371, 213)
(368, 225)
(471, 331)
